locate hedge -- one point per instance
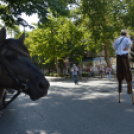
(84, 74)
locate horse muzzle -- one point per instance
(38, 91)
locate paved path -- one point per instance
(88, 108)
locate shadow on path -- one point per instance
(87, 108)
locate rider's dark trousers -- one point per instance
(124, 72)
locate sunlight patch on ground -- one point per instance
(94, 96)
(30, 104)
(36, 132)
(12, 110)
(130, 110)
(92, 83)
(84, 91)
(41, 132)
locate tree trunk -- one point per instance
(107, 54)
(57, 67)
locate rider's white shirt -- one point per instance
(126, 43)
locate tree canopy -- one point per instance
(56, 40)
(92, 25)
(102, 21)
(11, 10)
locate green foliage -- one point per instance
(10, 11)
(61, 75)
(56, 40)
(95, 24)
(101, 22)
(53, 74)
(101, 18)
(85, 74)
(127, 17)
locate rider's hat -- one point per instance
(124, 31)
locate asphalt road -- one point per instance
(88, 108)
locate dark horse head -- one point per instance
(15, 59)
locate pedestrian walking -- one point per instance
(75, 73)
(109, 70)
(88, 70)
(92, 71)
(122, 46)
(101, 71)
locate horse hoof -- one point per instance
(119, 102)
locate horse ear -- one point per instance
(22, 38)
(2, 36)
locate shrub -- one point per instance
(46, 74)
(67, 75)
(61, 75)
(53, 74)
(85, 74)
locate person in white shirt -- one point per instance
(122, 46)
(92, 71)
(74, 71)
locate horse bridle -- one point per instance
(23, 86)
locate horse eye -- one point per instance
(10, 57)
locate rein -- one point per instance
(23, 86)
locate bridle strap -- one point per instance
(22, 85)
(13, 98)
